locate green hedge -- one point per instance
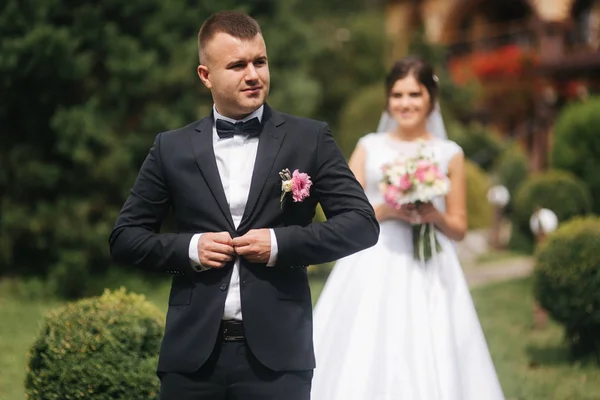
(567, 282)
(479, 210)
(98, 349)
(558, 191)
(576, 144)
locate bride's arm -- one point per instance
(357, 164)
(453, 223)
(383, 211)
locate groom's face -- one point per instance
(236, 72)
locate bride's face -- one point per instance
(409, 103)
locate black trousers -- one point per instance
(233, 373)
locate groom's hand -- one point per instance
(254, 246)
(215, 249)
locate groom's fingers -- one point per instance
(261, 237)
(215, 249)
(221, 237)
(241, 241)
(254, 253)
(254, 246)
(244, 250)
(220, 248)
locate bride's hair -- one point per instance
(419, 69)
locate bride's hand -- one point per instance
(385, 212)
(427, 213)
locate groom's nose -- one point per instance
(251, 74)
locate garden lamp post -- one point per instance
(542, 222)
(498, 196)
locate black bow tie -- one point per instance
(226, 129)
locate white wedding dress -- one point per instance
(387, 327)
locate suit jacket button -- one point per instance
(223, 286)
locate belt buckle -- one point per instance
(232, 338)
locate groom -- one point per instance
(239, 324)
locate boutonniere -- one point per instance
(298, 183)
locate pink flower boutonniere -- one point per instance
(298, 183)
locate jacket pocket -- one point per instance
(181, 295)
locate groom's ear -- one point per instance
(204, 74)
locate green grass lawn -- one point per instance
(19, 325)
(531, 364)
(494, 256)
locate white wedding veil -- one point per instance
(435, 123)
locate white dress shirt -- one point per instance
(235, 160)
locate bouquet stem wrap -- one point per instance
(425, 242)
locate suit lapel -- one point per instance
(270, 141)
(204, 153)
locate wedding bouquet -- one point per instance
(416, 180)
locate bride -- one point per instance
(387, 326)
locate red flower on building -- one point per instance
(510, 61)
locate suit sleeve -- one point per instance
(351, 225)
(135, 239)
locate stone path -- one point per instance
(475, 244)
(497, 271)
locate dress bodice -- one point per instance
(382, 148)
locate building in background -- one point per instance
(529, 56)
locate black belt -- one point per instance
(232, 331)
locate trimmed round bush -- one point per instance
(556, 190)
(576, 144)
(97, 349)
(479, 210)
(567, 282)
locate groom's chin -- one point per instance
(250, 104)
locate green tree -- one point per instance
(87, 85)
(351, 59)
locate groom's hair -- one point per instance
(234, 23)
(420, 70)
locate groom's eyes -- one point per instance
(241, 64)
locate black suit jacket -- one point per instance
(180, 173)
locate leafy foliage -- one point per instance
(511, 169)
(87, 85)
(360, 116)
(577, 144)
(559, 191)
(96, 349)
(567, 282)
(480, 144)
